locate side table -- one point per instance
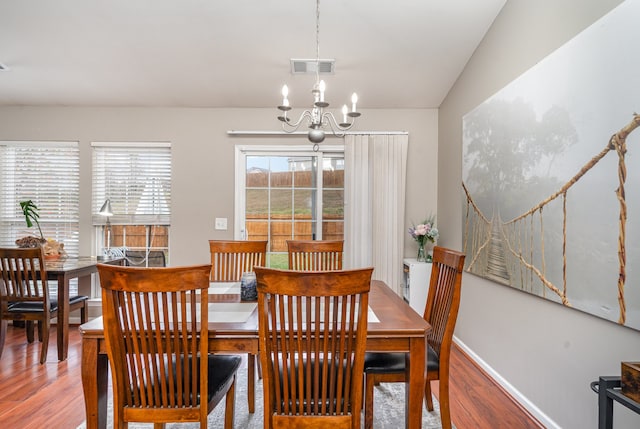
(608, 390)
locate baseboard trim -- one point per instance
(517, 396)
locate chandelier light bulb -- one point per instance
(345, 110)
(354, 100)
(322, 87)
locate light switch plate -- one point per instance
(221, 223)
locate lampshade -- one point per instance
(106, 208)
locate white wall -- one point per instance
(547, 353)
(203, 158)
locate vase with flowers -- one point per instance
(424, 233)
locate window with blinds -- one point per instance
(136, 178)
(48, 174)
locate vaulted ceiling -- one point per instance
(234, 53)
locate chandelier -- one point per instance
(317, 118)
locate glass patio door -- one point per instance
(287, 196)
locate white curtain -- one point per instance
(375, 169)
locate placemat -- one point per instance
(224, 287)
(230, 312)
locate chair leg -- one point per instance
(3, 334)
(428, 399)
(369, 382)
(118, 413)
(259, 366)
(229, 410)
(251, 377)
(40, 330)
(29, 330)
(84, 316)
(445, 410)
(44, 347)
(159, 425)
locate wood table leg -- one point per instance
(62, 327)
(94, 384)
(414, 389)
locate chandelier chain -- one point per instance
(317, 41)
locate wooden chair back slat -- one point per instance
(229, 259)
(313, 328)
(156, 327)
(312, 255)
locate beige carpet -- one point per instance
(388, 404)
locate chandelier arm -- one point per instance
(336, 127)
(290, 128)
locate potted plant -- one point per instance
(52, 249)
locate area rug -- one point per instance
(388, 405)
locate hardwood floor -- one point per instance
(34, 396)
(478, 402)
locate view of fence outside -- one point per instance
(280, 206)
(135, 237)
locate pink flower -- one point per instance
(422, 229)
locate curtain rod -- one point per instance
(258, 133)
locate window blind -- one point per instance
(48, 174)
(136, 177)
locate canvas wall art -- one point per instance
(551, 175)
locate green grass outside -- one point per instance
(279, 261)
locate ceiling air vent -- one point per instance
(310, 66)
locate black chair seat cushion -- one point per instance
(391, 363)
(36, 307)
(221, 369)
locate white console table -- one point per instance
(416, 283)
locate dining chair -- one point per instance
(441, 311)
(315, 255)
(229, 260)
(24, 295)
(156, 334)
(312, 333)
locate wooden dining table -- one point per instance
(62, 271)
(394, 327)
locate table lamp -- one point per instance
(106, 211)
